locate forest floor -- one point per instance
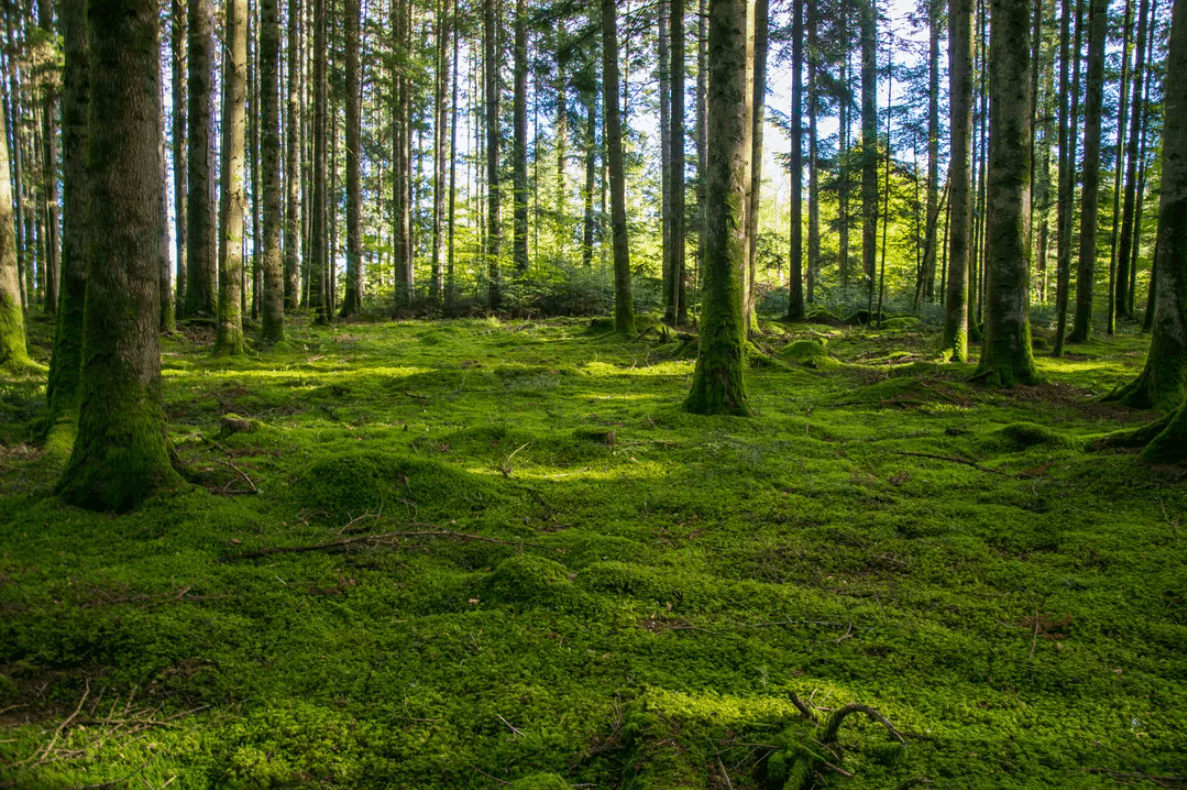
(483, 554)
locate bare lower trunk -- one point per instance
(624, 309)
(201, 218)
(960, 58)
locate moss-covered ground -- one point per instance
(541, 573)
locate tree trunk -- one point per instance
(702, 134)
(520, 113)
(1124, 297)
(1090, 196)
(178, 41)
(795, 297)
(1069, 135)
(960, 85)
(869, 142)
(494, 233)
(933, 147)
(813, 164)
(319, 238)
(664, 65)
(13, 350)
(49, 171)
(591, 163)
(292, 174)
(1006, 356)
(354, 192)
(166, 314)
(272, 303)
(676, 294)
(120, 454)
(254, 117)
(229, 340)
(444, 33)
(718, 384)
(201, 220)
(65, 367)
(562, 139)
(624, 309)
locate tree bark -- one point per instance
(13, 350)
(444, 33)
(494, 232)
(1124, 298)
(1069, 136)
(624, 308)
(292, 174)
(664, 65)
(354, 191)
(520, 157)
(795, 297)
(120, 454)
(1006, 356)
(719, 384)
(702, 134)
(1090, 196)
(49, 171)
(229, 340)
(813, 154)
(180, 188)
(272, 303)
(591, 164)
(869, 141)
(201, 219)
(677, 297)
(933, 146)
(319, 237)
(960, 85)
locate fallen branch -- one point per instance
(242, 474)
(335, 545)
(802, 707)
(834, 723)
(41, 754)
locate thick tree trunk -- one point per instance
(1006, 356)
(354, 191)
(494, 222)
(1090, 196)
(272, 303)
(960, 58)
(718, 384)
(201, 218)
(180, 188)
(676, 292)
(1124, 300)
(229, 340)
(120, 454)
(65, 367)
(520, 122)
(795, 296)
(624, 308)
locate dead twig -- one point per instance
(382, 537)
(242, 474)
(834, 722)
(803, 708)
(954, 460)
(41, 754)
(510, 726)
(488, 776)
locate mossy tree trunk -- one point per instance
(13, 349)
(1161, 383)
(955, 340)
(65, 366)
(1006, 356)
(719, 385)
(201, 296)
(229, 340)
(120, 455)
(813, 153)
(272, 304)
(624, 308)
(1090, 193)
(761, 34)
(440, 149)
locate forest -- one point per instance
(644, 394)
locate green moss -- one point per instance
(809, 353)
(540, 782)
(1025, 435)
(528, 580)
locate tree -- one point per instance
(319, 237)
(180, 197)
(201, 227)
(65, 366)
(292, 210)
(229, 340)
(272, 303)
(1162, 381)
(13, 349)
(1124, 298)
(120, 455)
(1068, 136)
(933, 146)
(51, 261)
(719, 384)
(624, 308)
(354, 184)
(1090, 194)
(795, 299)
(1006, 356)
(677, 301)
(520, 153)
(869, 140)
(440, 146)
(955, 340)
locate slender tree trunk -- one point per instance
(1067, 178)
(843, 152)
(624, 309)
(292, 173)
(230, 320)
(13, 342)
(886, 194)
(494, 233)
(520, 113)
(449, 282)
(702, 134)
(664, 65)
(65, 368)
(254, 117)
(960, 58)
(1090, 197)
(49, 142)
(319, 237)
(1006, 356)
(933, 146)
(439, 151)
(354, 190)
(272, 303)
(201, 223)
(562, 140)
(718, 384)
(1124, 297)
(120, 454)
(591, 162)
(15, 142)
(676, 296)
(795, 299)
(180, 188)
(813, 164)
(869, 141)
(168, 318)
(761, 35)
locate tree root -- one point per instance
(809, 762)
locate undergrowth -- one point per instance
(475, 554)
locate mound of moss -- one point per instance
(1025, 435)
(540, 782)
(356, 482)
(808, 353)
(526, 579)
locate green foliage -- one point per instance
(600, 589)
